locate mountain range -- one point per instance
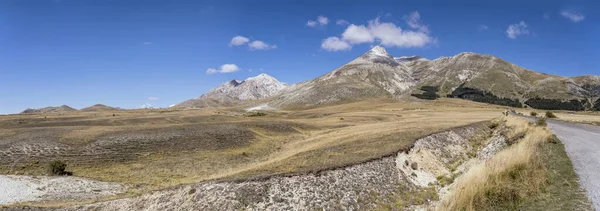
(67, 109)
(376, 74)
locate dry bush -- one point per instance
(549, 114)
(507, 178)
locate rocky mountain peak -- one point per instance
(379, 51)
(253, 88)
(377, 54)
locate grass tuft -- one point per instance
(506, 179)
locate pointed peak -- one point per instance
(379, 49)
(262, 76)
(234, 82)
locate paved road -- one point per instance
(582, 143)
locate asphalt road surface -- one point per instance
(582, 143)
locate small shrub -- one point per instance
(541, 122)
(549, 114)
(341, 119)
(414, 166)
(533, 113)
(493, 125)
(257, 114)
(58, 167)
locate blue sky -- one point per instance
(128, 53)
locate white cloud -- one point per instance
(147, 43)
(321, 20)
(226, 68)
(152, 98)
(390, 35)
(385, 33)
(249, 70)
(414, 21)
(573, 16)
(357, 34)
(260, 45)
(342, 22)
(335, 44)
(517, 29)
(238, 40)
(482, 27)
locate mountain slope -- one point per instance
(472, 76)
(376, 74)
(56, 109)
(99, 107)
(233, 92)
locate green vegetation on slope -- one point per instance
(483, 96)
(429, 93)
(554, 104)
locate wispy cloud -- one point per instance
(147, 43)
(482, 27)
(321, 21)
(517, 29)
(547, 15)
(342, 22)
(573, 16)
(226, 68)
(414, 21)
(152, 98)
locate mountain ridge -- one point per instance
(467, 75)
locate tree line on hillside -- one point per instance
(556, 104)
(467, 93)
(429, 93)
(483, 96)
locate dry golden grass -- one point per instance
(319, 138)
(507, 178)
(587, 117)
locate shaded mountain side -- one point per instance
(98, 108)
(50, 109)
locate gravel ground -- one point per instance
(25, 188)
(582, 143)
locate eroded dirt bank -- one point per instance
(408, 179)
